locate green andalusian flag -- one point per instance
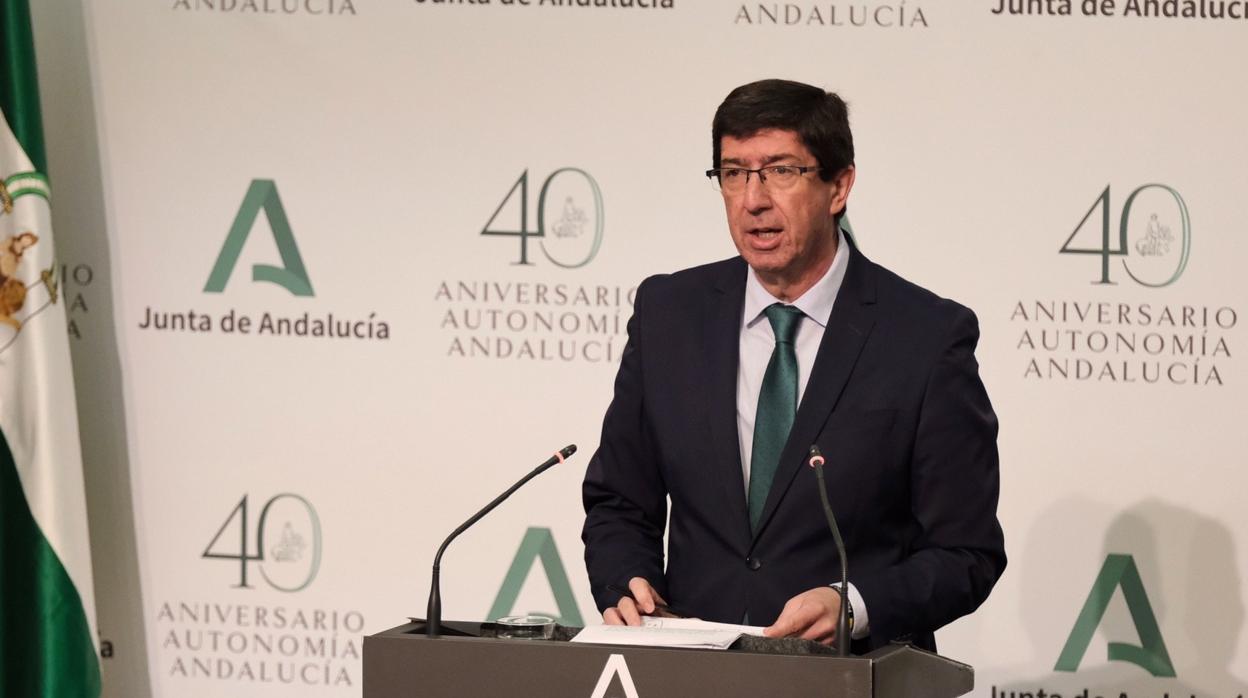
(47, 606)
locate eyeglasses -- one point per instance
(732, 180)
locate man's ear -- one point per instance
(844, 182)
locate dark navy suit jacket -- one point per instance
(895, 403)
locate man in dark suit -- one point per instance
(734, 369)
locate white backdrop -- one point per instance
(394, 132)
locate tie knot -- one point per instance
(783, 319)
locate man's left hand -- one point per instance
(811, 615)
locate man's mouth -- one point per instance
(765, 233)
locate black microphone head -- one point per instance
(567, 450)
(816, 456)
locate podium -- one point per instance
(467, 662)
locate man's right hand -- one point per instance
(629, 612)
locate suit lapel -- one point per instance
(851, 322)
(723, 338)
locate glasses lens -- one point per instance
(732, 180)
(781, 176)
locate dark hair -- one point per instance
(819, 118)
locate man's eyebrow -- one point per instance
(736, 162)
(777, 158)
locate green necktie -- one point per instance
(777, 405)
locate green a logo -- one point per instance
(1150, 654)
(537, 543)
(292, 276)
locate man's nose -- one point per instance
(756, 197)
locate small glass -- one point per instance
(528, 627)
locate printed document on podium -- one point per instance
(668, 632)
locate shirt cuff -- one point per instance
(862, 624)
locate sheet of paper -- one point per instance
(698, 624)
(668, 632)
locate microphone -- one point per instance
(433, 615)
(842, 622)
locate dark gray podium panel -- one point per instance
(402, 663)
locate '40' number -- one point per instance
(1124, 223)
(245, 554)
(524, 233)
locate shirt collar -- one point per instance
(818, 300)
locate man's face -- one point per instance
(788, 236)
